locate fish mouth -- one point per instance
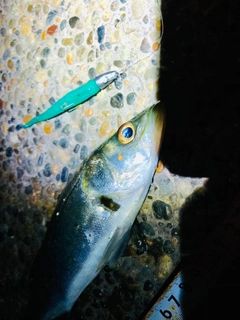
(156, 120)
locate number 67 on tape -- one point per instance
(168, 305)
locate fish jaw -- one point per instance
(95, 213)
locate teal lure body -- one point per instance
(94, 215)
(75, 97)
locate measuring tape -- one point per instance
(199, 272)
(169, 306)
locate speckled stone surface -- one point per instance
(200, 87)
(50, 48)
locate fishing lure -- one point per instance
(75, 97)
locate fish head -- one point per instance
(128, 159)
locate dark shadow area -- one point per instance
(200, 87)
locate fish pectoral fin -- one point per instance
(115, 248)
(109, 203)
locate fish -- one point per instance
(92, 221)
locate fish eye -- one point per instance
(126, 133)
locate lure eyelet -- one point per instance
(126, 133)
